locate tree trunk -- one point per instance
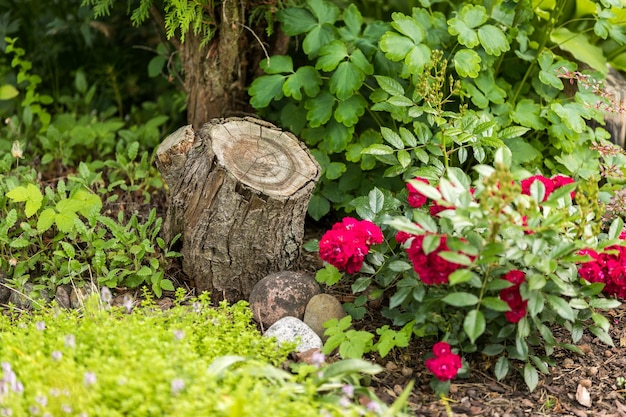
(214, 77)
(239, 190)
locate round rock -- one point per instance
(319, 310)
(280, 295)
(292, 329)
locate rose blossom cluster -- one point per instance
(550, 184)
(432, 269)
(607, 268)
(445, 364)
(511, 295)
(348, 242)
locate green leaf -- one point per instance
(325, 11)
(331, 55)
(464, 23)
(474, 324)
(328, 275)
(579, 46)
(155, 66)
(495, 304)
(467, 63)
(353, 20)
(456, 258)
(277, 64)
(571, 115)
(68, 249)
(460, 299)
(18, 194)
(400, 266)
(531, 377)
(561, 307)
(395, 46)
(601, 321)
(378, 149)
(604, 303)
(318, 207)
(45, 220)
(296, 20)
(376, 200)
(8, 92)
(31, 194)
(604, 336)
(616, 228)
(408, 26)
(334, 170)
(460, 276)
(346, 80)
(528, 113)
(89, 202)
(318, 37)
(493, 40)
(501, 368)
(338, 136)
(320, 109)
(392, 138)
(390, 85)
(65, 221)
(265, 89)
(512, 132)
(306, 78)
(349, 111)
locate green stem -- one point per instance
(542, 45)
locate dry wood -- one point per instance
(239, 189)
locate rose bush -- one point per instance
(491, 269)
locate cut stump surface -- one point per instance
(239, 189)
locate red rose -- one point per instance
(515, 277)
(441, 348)
(415, 198)
(444, 367)
(517, 314)
(547, 182)
(347, 243)
(432, 269)
(561, 180)
(402, 237)
(343, 249)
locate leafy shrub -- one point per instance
(491, 265)
(60, 236)
(442, 86)
(194, 360)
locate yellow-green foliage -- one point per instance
(104, 362)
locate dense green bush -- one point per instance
(443, 85)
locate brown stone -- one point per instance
(282, 294)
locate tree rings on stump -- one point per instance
(239, 189)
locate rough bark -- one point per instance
(239, 190)
(214, 78)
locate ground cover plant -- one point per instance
(194, 360)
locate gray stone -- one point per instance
(292, 329)
(62, 296)
(5, 291)
(280, 295)
(319, 310)
(78, 296)
(28, 296)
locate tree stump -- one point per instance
(239, 189)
